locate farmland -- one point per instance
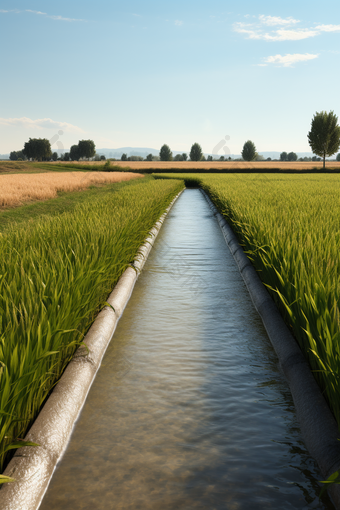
(16, 189)
(290, 228)
(56, 272)
(217, 165)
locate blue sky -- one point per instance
(146, 73)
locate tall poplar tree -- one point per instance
(324, 135)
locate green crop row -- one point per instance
(290, 228)
(55, 274)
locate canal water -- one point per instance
(189, 409)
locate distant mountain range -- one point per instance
(144, 151)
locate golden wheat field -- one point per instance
(16, 189)
(219, 165)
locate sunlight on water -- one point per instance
(189, 409)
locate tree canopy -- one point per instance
(324, 135)
(283, 156)
(249, 151)
(74, 153)
(165, 153)
(38, 148)
(196, 152)
(15, 155)
(87, 148)
(292, 156)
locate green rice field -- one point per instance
(289, 225)
(60, 260)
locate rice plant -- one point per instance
(55, 274)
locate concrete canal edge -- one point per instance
(33, 467)
(318, 426)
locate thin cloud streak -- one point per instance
(288, 60)
(328, 28)
(40, 13)
(282, 34)
(27, 123)
(276, 20)
(258, 31)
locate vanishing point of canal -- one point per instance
(189, 409)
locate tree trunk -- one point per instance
(324, 160)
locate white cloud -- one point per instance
(25, 122)
(328, 28)
(39, 13)
(288, 60)
(276, 20)
(36, 12)
(178, 23)
(61, 18)
(10, 10)
(259, 29)
(282, 34)
(290, 35)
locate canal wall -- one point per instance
(33, 467)
(318, 425)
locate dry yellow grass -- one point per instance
(219, 165)
(17, 189)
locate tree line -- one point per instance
(39, 149)
(323, 138)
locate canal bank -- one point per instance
(189, 408)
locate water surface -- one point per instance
(189, 409)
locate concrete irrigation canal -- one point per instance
(189, 409)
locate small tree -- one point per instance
(135, 158)
(165, 153)
(249, 151)
(178, 157)
(87, 148)
(283, 156)
(184, 156)
(38, 148)
(66, 156)
(74, 153)
(149, 157)
(55, 156)
(15, 155)
(324, 135)
(209, 158)
(292, 156)
(196, 152)
(124, 157)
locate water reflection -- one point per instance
(189, 409)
